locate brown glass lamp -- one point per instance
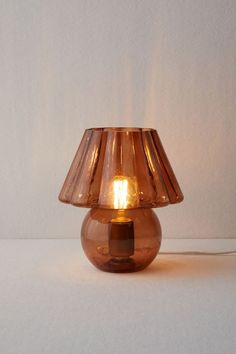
(121, 174)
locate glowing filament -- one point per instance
(120, 189)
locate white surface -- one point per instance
(69, 65)
(52, 301)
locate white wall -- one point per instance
(68, 65)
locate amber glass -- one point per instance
(121, 173)
(106, 155)
(125, 251)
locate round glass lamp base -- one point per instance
(121, 241)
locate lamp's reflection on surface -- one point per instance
(75, 270)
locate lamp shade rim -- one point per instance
(153, 205)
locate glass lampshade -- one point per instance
(108, 156)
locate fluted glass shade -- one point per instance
(120, 168)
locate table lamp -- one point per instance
(121, 174)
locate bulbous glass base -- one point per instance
(121, 240)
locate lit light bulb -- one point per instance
(124, 192)
(120, 189)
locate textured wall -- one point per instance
(69, 65)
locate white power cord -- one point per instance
(199, 253)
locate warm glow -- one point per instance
(120, 189)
